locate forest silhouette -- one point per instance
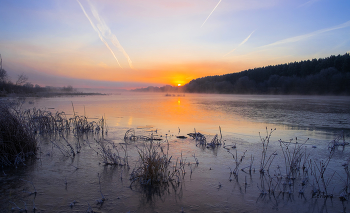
(324, 76)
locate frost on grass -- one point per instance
(154, 166)
(17, 142)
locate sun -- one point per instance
(179, 85)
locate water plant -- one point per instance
(102, 200)
(238, 161)
(293, 156)
(44, 121)
(109, 152)
(154, 169)
(250, 165)
(345, 192)
(154, 166)
(30, 193)
(215, 141)
(266, 160)
(337, 141)
(320, 184)
(130, 135)
(202, 140)
(301, 170)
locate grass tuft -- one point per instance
(17, 141)
(154, 166)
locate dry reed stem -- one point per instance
(154, 166)
(265, 143)
(293, 157)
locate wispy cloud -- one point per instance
(244, 41)
(104, 31)
(211, 13)
(302, 37)
(308, 3)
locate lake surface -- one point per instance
(207, 186)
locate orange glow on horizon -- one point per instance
(175, 74)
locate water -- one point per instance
(209, 188)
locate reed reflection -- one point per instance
(164, 112)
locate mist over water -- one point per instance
(207, 186)
(206, 112)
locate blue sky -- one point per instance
(132, 43)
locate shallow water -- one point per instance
(209, 188)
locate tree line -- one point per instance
(22, 86)
(324, 76)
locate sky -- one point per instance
(129, 44)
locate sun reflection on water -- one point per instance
(205, 113)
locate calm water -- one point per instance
(209, 188)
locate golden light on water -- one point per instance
(163, 112)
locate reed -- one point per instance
(293, 157)
(345, 193)
(30, 193)
(18, 129)
(265, 159)
(154, 166)
(300, 170)
(202, 140)
(250, 165)
(109, 153)
(17, 141)
(102, 200)
(216, 141)
(320, 184)
(238, 161)
(338, 141)
(130, 135)
(44, 121)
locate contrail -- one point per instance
(301, 37)
(106, 31)
(244, 41)
(98, 32)
(117, 44)
(211, 13)
(308, 3)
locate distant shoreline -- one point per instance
(51, 94)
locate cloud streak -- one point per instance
(302, 37)
(98, 32)
(107, 33)
(211, 13)
(244, 41)
(104, 32)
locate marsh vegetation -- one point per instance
(83, 164)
